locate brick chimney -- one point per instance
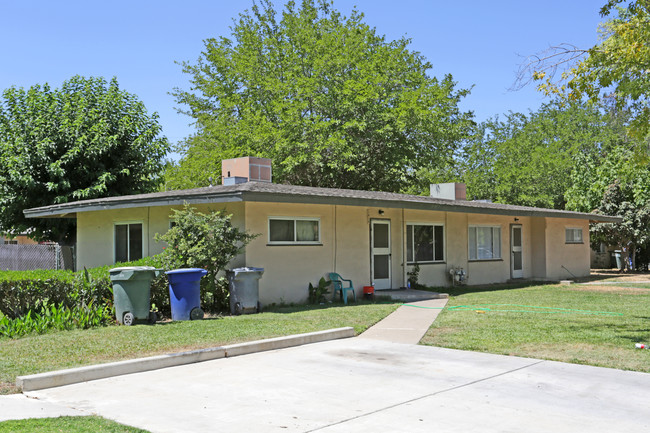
(245, 169)
(449, 191)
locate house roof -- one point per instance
(271, 192)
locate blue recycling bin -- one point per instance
(185, 293)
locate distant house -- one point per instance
(20, 239)
(374, 238)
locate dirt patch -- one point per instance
(609, 289)
(612, 275)
(8, 388)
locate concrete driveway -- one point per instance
(364, 385)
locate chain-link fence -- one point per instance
(30, 257)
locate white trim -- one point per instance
(381, 283)
(500, 257)
(294, 219)
(516, 273)
(567, 241)
(444, 243)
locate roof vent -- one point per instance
(244, 169)
(449, 191)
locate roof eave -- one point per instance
(61, 211)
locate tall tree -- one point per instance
(634, 229)
(86, 140)
(333, 103)
(528, 159)
(617, 66)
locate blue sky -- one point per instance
(478, 42)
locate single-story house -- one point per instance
(373, 238)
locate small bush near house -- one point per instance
(204, 240)
(317, 293)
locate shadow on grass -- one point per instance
(462, 290)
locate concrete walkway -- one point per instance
(408, 323)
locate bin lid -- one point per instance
(133, 268)
(247, 269)
(127, 272)
(187, 271)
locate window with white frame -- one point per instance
(294, 230)
(573, 235)
(128, 242)
(424, 243)
(484, 242)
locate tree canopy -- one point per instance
(333, 103)
(616, 67)
(528, 159)
(86, 140)
(203, 240)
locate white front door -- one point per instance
(516, 252)
(380, 254)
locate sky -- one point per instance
(480, 43)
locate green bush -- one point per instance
(46, 317)
(43, 300)
(208, 241)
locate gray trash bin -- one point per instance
(243, 284)
(131, 293)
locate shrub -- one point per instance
(46, 317)
(317, 293)
(204, 240)
(43, 300)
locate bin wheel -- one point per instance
(238, 309)
(153, 317)
(196, 314)
(128, 319)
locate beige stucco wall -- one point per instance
(574, 257)
(344, 248)
(95, 233)
(345, 245)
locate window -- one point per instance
(294, 230)
(424, 243)
(128, 242)
(573, 236)
(484, 243)
(11, 242)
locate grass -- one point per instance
(503, 321)
(78, 424)
(67, 349)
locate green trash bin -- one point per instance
(131, 293)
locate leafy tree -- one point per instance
(528, 159)
(630, 234)
(617, 66)
(87, 139)
(203, 240)
(333, 103)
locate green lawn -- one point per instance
(60, 350)
(596, 325)
(77, 424)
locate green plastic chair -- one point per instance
(337, 283)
